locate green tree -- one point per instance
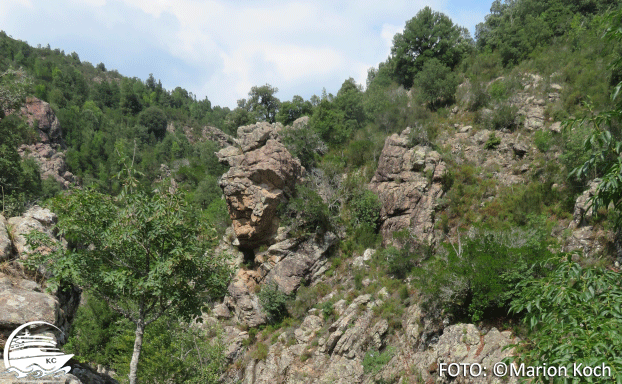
(14, 85)
(292, 110)
(436, 82)
(428, 35)
(263, 104)
(144, 254)
(605, 144)
(155, 120)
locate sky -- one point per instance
(220, 49)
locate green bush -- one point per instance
(574, 317)
(542, 140)
(504, 117)
(307, 212)
(437, 83)
(273, 301)
(366, 209)
(475, 278)
(492, 142)
(374, 360)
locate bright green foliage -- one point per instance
(289, 111)
(574, 317)
(330, 123)
(154, 119)
(476, 277)
(436, 82)
(428, 35)
(492, 142)
(144, 254)
(273, 301)
(173, 352)
(604, 144)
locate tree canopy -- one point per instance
(143, 253)
(428, 35)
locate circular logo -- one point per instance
(31, 351)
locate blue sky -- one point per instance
(220, 49)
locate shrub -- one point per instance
(375, 360)
(437, 83)
(154, 119)
(573, 316)
(307, 212)
(542, 140)
(366, 209)
(492, 142)
(476, 277)
(273, 301)
(503, 117)
(260, 352)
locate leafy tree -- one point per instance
(263, 104)
(574, 317)
(350, 100)
(329, 122)
(154, 119)
(14, 85)
(436, 82)
(428, 35)
(144, 254)
(292, 110)
(605, 144)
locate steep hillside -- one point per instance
(464, 207)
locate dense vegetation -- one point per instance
(504, 263)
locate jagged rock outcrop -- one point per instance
(6, 246)
(47, 124)
(316, 352)
(286, 263)
(36, 218)
(262, 174)
(207, 133)
(409, 183)
(47, 151)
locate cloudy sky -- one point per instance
(220, 49)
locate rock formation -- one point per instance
(262, 174)
(408, 182)
(47, 152)
(47, 125)
(22, 299)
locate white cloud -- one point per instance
(222, 48)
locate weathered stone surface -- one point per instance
(464, 343)
(300, 263)
(307, 329)
(50, 160)
(262, 174)
(408, 184)
(36, 218)
(48, 126)
(6, 247)
(585, 237)
(208, 133)
(22, 301)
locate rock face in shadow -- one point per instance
(408, 182)
(262, 175)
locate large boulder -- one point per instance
(408, 182)
(47, 124)
(262, 175)
(36, 218)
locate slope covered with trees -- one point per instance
(497, 248)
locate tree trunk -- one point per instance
(138, 344)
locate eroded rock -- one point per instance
(262, 175)
(408, 182)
